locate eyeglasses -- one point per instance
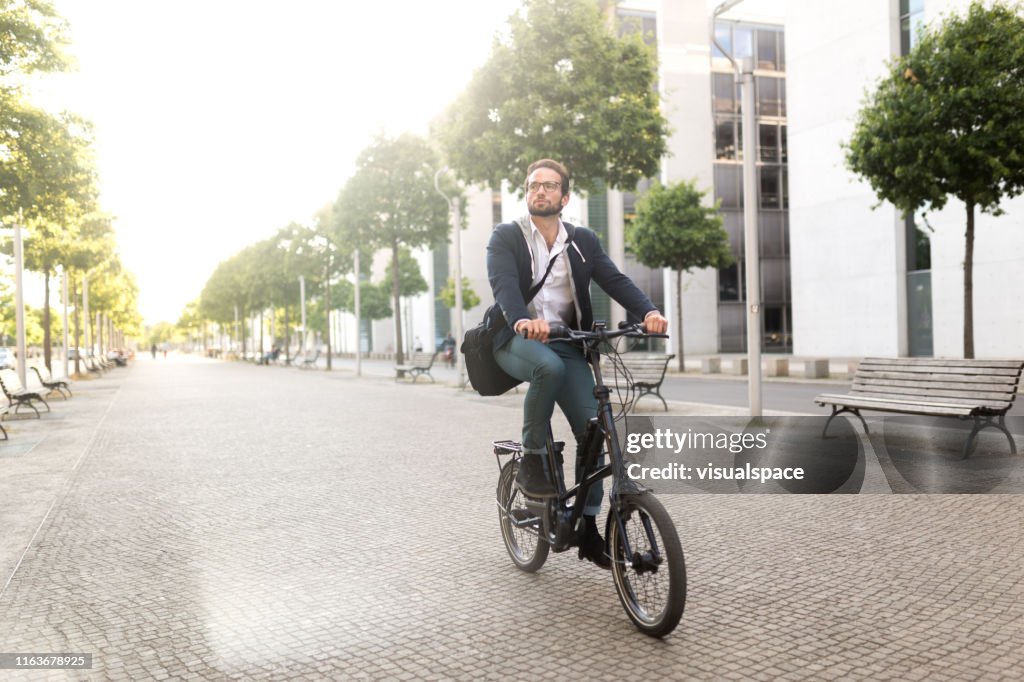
(548, 186)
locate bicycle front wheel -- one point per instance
(520, 529)
(647, 564)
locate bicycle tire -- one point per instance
(654, 608)
(527, 548)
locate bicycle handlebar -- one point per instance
(558, 331)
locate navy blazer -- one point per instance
(511, 275)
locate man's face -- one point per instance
(545, 202)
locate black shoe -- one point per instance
(532, 479)
(592, 546)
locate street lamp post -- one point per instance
(752, 266)
(453, 207)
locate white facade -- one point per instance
(848, 260)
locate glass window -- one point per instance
(767, 50)
(770, 187)
(724, 90)
(768, 97)
(723, 36)
(725, 140)
(771, 233)
(782, 51)
(783, 156)
(773, 279)
(743, 43)
(729, 287)
(732, 222)
(728, 181)
(732, 328)
(784, 172)
(776, 328)
(768, 143)
(919, 246)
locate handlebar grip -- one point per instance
(556, 330)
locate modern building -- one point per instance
(841, 276)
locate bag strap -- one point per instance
(535, 289)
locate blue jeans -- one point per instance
(558, 373)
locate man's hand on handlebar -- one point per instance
(655, 323)
(538, 330)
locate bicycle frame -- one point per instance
(601, 433)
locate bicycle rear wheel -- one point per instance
(650, 577)
(520, 529)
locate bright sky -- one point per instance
(218, 122)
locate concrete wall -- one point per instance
(848, 260)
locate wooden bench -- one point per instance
(61, 386)
(3, 410)
(644, 376)
(420, 364)
(982, 390)
(18, 395)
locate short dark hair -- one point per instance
(552, 165)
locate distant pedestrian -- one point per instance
(418, 345)
(152, 350)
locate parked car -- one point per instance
(6, 358)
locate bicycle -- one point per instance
(647, 563)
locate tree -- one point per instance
(32, 35)
(946, 121)
(393, 201)
(469, 298)
(674, 229)
(562, 85)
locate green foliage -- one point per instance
(946, 120)
(391, 202)
(470, 299)
(410, 278)
(374, 300)
(562, 86)
(674, 229)
(32, 36)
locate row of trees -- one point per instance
(589, 101)
(48, 180)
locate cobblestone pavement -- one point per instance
(197, 519)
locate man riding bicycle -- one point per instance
(518, 256)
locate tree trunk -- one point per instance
(969, 284)
(47, 338)
(679, 316)
(396, 281)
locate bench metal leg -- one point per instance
(982, 422)
(20, 404)
(648, 391)
(837, 411)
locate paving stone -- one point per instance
(195, 519)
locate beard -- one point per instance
(552, 208)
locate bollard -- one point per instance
(851, 368)
(711, 365)
(816, 368)
(777, 367)
(739, 366)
